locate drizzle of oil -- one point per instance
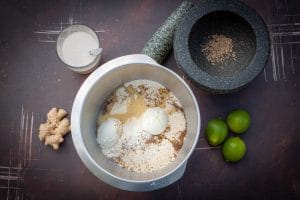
(136, 106)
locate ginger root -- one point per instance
(56, 127)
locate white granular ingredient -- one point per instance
(177, 124)
(133, 134)
(153, 86)
(120, 107)
(151, 92)
(137, 150)
(115, 151)
(154, 157)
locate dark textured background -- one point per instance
(32, 80)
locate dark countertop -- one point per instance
(32, 80)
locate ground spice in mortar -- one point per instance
(219, 50)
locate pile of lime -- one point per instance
(217, 129)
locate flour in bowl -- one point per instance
(142, 126)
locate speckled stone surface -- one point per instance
(232, 19)
(161, 42)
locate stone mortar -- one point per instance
(234, 20)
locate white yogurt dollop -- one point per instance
(109, 133)
(154, 120)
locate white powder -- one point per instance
(153, 86)
(151, 93)
(121, 94)
(137, 150)
(133, 133)
(76, 47)
(119, 107)
(115, 151)
(152, 158)
(177, 125)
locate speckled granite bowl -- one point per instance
(234, 20)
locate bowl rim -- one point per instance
(77, 107)
(222, 84)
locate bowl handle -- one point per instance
(160, 43)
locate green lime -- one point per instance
(234, 149)
(216, 131)
(238, 120)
